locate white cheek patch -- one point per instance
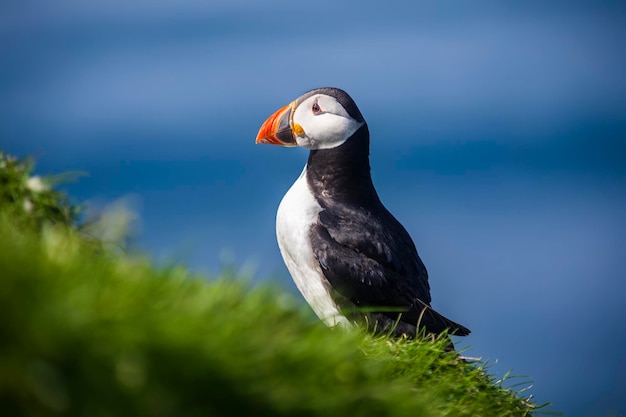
(331, 130)
(326, 130)
(304, 141)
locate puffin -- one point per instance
(352, 261)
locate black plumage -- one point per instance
(366, 255)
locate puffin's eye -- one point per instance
(316, 108)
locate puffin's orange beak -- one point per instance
(277, 128)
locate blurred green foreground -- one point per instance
(86, 331)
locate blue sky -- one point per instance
(497, 139)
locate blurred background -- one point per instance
(498, 140)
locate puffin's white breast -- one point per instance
(298, 210)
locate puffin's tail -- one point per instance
(419, 317)
(434, 322)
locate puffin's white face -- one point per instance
(321, 122)
(315, 121)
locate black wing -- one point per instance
(371, 260)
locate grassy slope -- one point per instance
(84, 332)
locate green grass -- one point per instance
(87, 332)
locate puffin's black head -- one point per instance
(323, 118)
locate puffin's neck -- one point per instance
(342, 174)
